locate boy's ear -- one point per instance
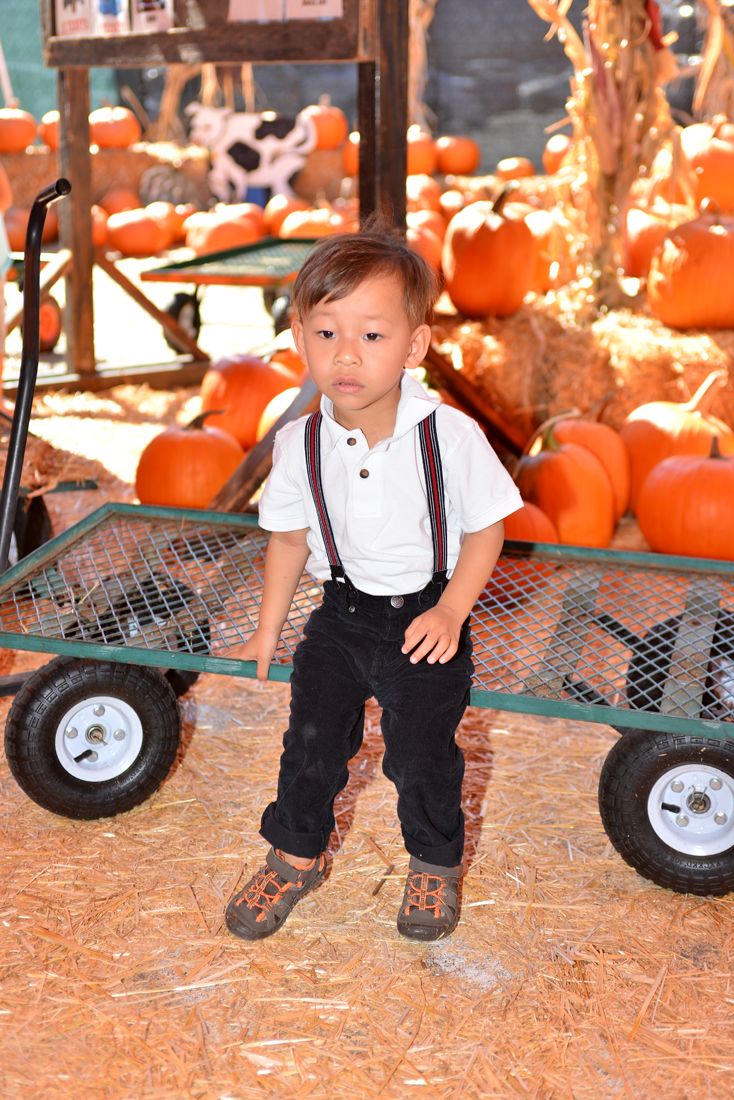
(297, 330)
(419, 345)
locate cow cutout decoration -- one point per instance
(251, 150)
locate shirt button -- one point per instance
(397, 601)
(351, 441)
(364, 473)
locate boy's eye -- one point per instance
(372, 336)
(326, 333)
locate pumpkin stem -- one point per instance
(569, 414)
(711, 206)
(596, 411)
(503, 195)
(715, 449)
(704, 395)
(198, 421)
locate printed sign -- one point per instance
(314, 9)
(151, 15)
(73, 17)
(255, 11)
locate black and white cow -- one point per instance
(251, 150)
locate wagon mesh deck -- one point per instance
(630, 639)
(269, 262)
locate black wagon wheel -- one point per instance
(667, 804)
(88, 739)
(184, 308)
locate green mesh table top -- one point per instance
(269, 262)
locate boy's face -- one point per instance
(356, 347)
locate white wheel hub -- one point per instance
(691, 808)
(98, 738)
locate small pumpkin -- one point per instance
(137, 233)
(290, 359)
(691, 271)
(16, 226)
(17, 130)
(609, 448)
(427, 219)
(275, 409)
(552, 233)
(312, 223)
(424, 241)
(515, 578)
(708, 148)
(423, 192)
(180, 214)
(643, 228)
(48, 129)
(113, 128)
(488, 259)
(331, 123)
(99, 227)
(659, 429)
(119, 199)
(569, 484)
(422, 155)
(457, 156)
(278, 209)
(184, 467)
(514, 168)
(451, 202)
(350, 154)
(556, 148)
(243, 385)
(218, 230)
(685, 505)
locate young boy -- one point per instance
(397, 503)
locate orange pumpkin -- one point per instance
(165, 212)
(530, 524)
(685, 505)
(708, 148)
(275, 409)
(17, 130)
(216, 231)
(331, 123)
(451, 202)
(278, 209)
(137, 233)
(16, 226)
(659, 429)
(514, 168)
(488, 259)
(180, 214)
(186, 467)
(457, 156)
(350, 154)
(514, 578)
(48, 129)
(609, 448)
(571, 486)
(691, 272)
(556, 148)
(422, 155)
(119, 199)
(552, 237)
(427, 219)
(311, 223)
(99, 227)
(424, 241)
(113, 128)
(243, 210)
(643, 228)
(423, 193)
(290, 359)
(242, 386)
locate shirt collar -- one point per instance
(415, 404)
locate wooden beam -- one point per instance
(368, 164)
(442, 374)
(162, 376)
(51, 273)
(164, 319)
(393, 35)
(76, 215)
(255, 467)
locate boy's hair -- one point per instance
(339, 264)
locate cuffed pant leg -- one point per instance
(422, 707)
(326, 725)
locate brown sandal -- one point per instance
(262, 907)
(430, 908)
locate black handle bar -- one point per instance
(28, 363)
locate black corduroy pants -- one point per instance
(345, 658)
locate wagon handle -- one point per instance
(28, 363)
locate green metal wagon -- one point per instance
(135, 602)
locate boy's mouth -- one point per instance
(347, 385)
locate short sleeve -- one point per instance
(281, 506)
(479, 488)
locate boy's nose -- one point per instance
(346, 353)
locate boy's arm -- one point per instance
(437, 630)
(285, 559)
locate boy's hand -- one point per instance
(261, 648)
(439, 629)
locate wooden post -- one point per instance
(393, 34)
(76, 217)
(368, 163)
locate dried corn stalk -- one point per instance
(715, 83)
(421, 14)
(619, 112)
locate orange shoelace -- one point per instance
(265, 892)
(418, 893)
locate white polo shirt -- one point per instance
(376, 497)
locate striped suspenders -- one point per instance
(433, 475)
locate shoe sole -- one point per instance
(244, 933)
(424, 933)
